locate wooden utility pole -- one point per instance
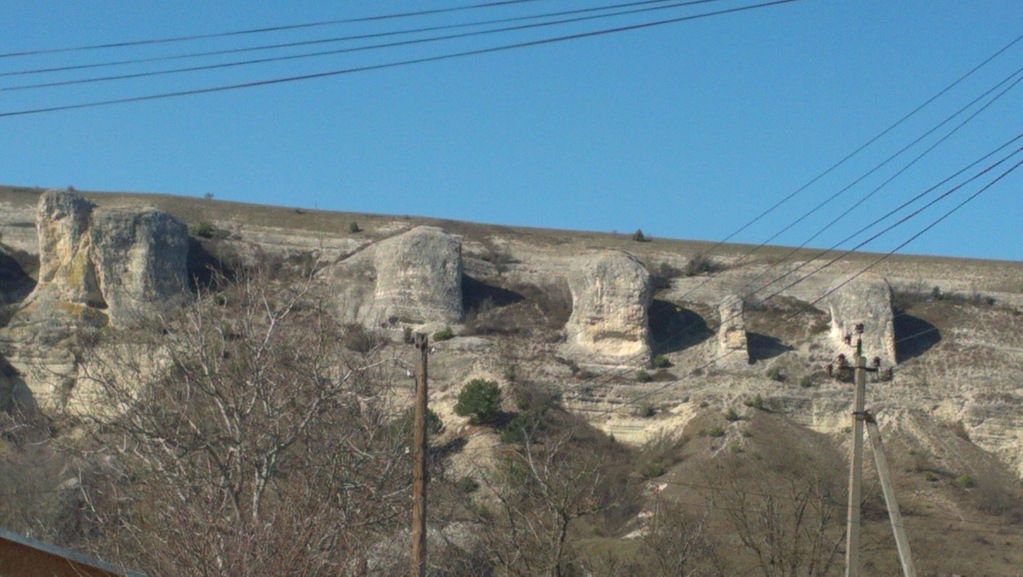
(419, 463)
(852, 534)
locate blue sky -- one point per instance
(688, 130)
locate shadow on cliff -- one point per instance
(762, 347)
(207, 270)
(15, 280)
(482, 303)
(14, 393)
(913, 336)
(520, 309)
(674, 328)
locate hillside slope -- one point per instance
(643, 340)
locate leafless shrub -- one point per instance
(787, 519)
(244, 439)
(541, 491)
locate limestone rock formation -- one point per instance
(96, 267)
(113, 259)
(66, 270)
(867, 300)
(732, 347)
(611, 293)
(140, 258)
(414, 278)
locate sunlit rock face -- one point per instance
(97, 267)
(733, 350)
(611, 293)
(866, 300)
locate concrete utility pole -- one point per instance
(852, 534)
(419, 463)
(901, 540)
(861, 416)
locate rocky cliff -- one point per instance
(96, 267)
(947, 328)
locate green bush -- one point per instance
(732, 415)
(774, 373)
(203, 229)
(661, 362)
(700, 264)
(353, 227)
(716, 432)
(806, 381)
(528, 425)
(406, 423)
(480, 400)
(358, 339)
(661, 276)
(638, 236)
(646, 410)
(756, 402)
(965, 481)
(444, 334)
(466, 485)
(433, 423)
(643, 376)
(652, 469)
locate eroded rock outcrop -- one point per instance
(611, 293)
(66, 269)
(867, 299)
(96, 267)
(118, 260)
(733, 350)
(414, 278)
(139, 258)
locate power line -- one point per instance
(843, 214)
(302, 56)
(332, 40)
(814, 180)
(191, 37)
(897, 209)
(917, 109)
(924, 230)
(438, 58)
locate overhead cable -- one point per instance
(395, 64)
(174, 39)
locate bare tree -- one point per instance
(677, 544)
(788, 516)
(241, 438)
(542, 487)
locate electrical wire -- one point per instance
(745, 257)
(845, 213)
(332, 40)
(249, 31)
(395, 64)
(335, 52)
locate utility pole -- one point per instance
(901, 540)
(852, 534)
(860, 416)
(419, 463)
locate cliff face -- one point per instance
(953, 344)
(611, 294)
(414, 278)
(97, 267)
